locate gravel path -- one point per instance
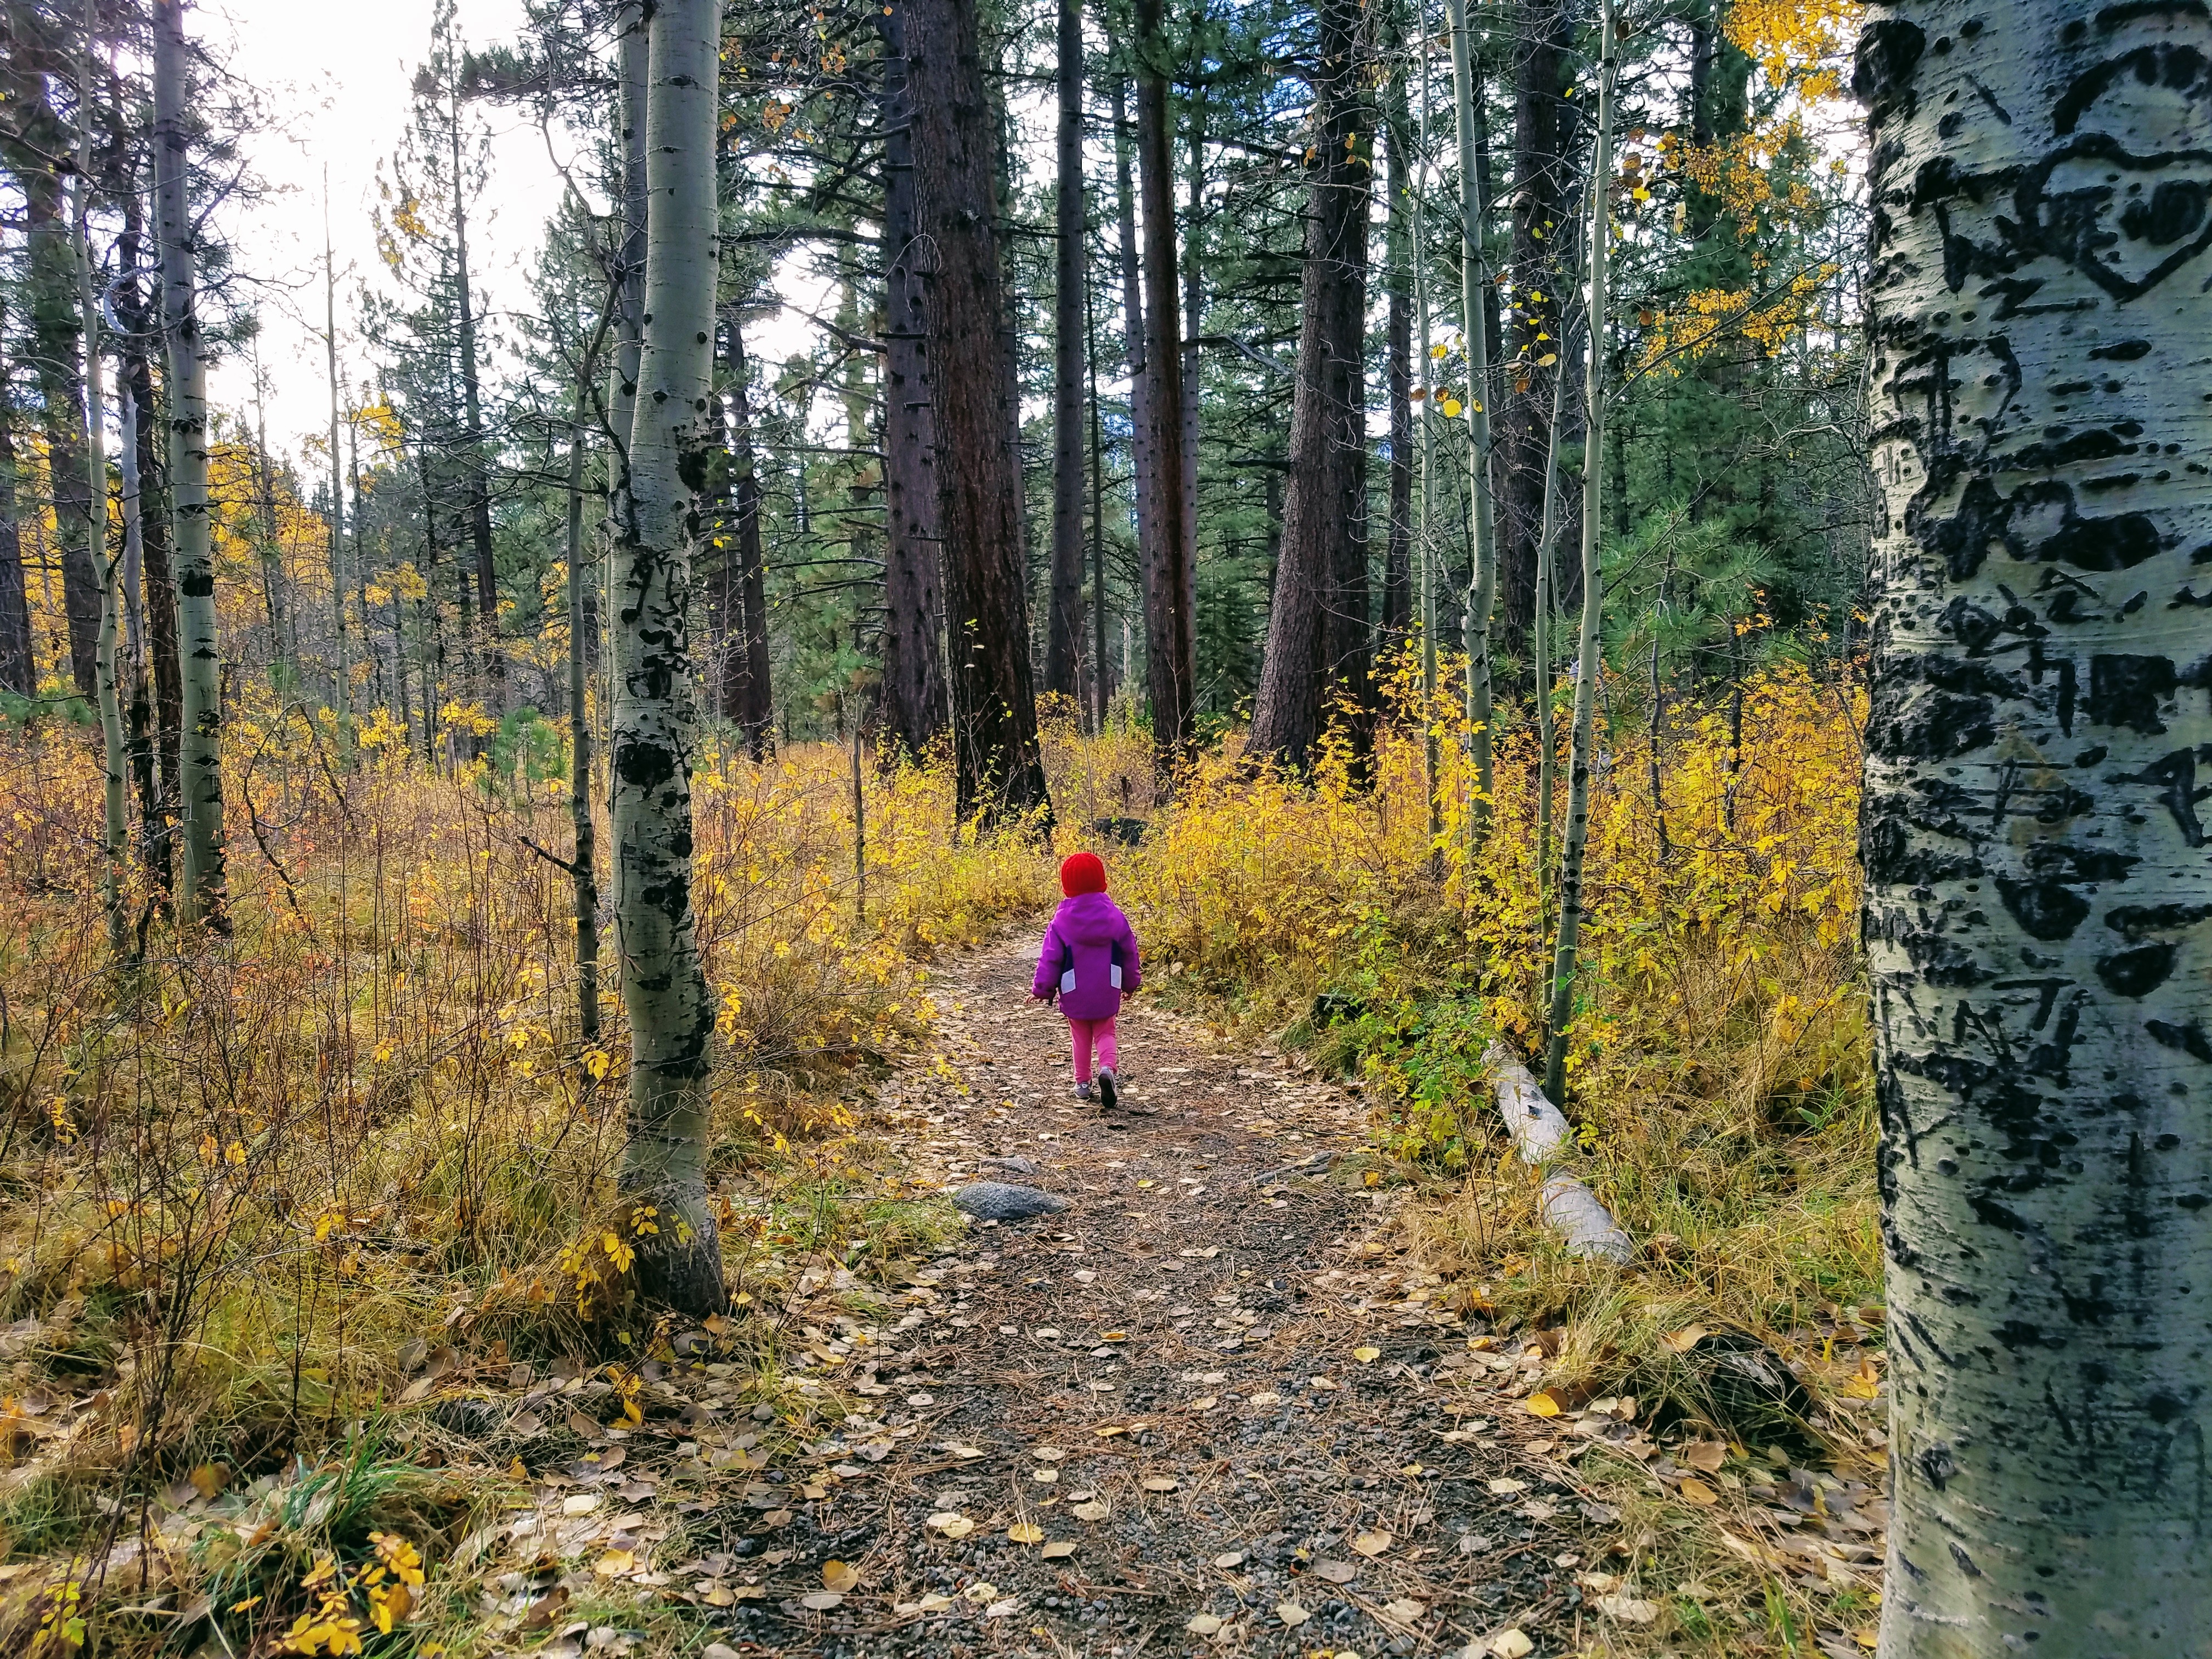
(1192, 1412)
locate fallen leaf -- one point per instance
(1114, 1336)
(961, 1448)
(614, 1564)
(1367, 1355)
(1044, 1474)
(1111, 1429)
(1336, 1572)
(1321, 1382)
(1372, 1543)
(718, 1596)
(1706, 1455)
(980, 1591)
(776, 1518)
(208, 1479)
(582, 1503)
(1270, 1398)
(528, 1424)
(1628, 1609)
(1000, 1609)
(1026, 1532)
(1683, 1340)
(1543, 1403)
(839, 1575)
(1205, 1403)
(1229, 1558)
(1057, 1552)
(1292, 1613)
(1403, 1610)
(823, 1601)
(951, 1524)
(1505, 1486)
(1510, 1644)
(1093, 1511)
(1159, 1483)
(1693, 1491)
(1202, 1624)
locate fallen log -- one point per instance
(1540, 1133)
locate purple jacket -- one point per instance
(1088, 958)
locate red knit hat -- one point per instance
(1082, 872)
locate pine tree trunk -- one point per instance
(475, 461)
(1541, 150)
(745, 698)
(672, 1015)
(1474, 324)
(341, 672)
(1317, 624)
(201, 900)
(58, 349)
(1170, 627)
(18, 670)
(1063, 646)
(1588, 662)
(915, 694)
(583, 862)
(1000, 769)
(1142, 487)
(1397, 562)
(2037, 884)
(1193, 325)
(157, 579)
(115, 772)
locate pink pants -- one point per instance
(1081, 1035)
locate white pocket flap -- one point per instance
(1067, 982)
(1114, 973)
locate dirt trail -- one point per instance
(1165, 1381)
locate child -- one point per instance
(1089, 959)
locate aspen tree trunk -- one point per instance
(342, 675)
(1474, 285)
(630, 49)
(1063, 644)
(915, 698)
(1170, 628)
(1587, 661)
(1309, 624)
(999, 768)
(2038, 903)
(1541, 635)
(201, 899)
(115, 833)
(672, 1015)
(583, 862)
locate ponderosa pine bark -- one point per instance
(1317, 625)
(672, 1015)
(1397, 280)
(998, 769)
(1142, 487)
(1063, 636)
(1167, 534)
(1589, 660)
(2039, 900)
(18, 669)
(915, 700)
(201, 899)
(741, 574)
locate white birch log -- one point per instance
(1540, 1135)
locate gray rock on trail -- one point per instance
(1001, 1201)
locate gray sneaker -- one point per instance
(1108, 1086)
(1083, 1091)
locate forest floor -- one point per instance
(1209, 1406)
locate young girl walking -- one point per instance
(1089, 960)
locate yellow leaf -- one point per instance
(1543, 1403)
(1367, 1355)
(1693, 1491)
(614, 1564)
(839, 1575)
(1026, 1532)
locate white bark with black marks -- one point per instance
(201, 898)
(663, 1175)
(2039, 909)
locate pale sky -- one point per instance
(336, 82)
